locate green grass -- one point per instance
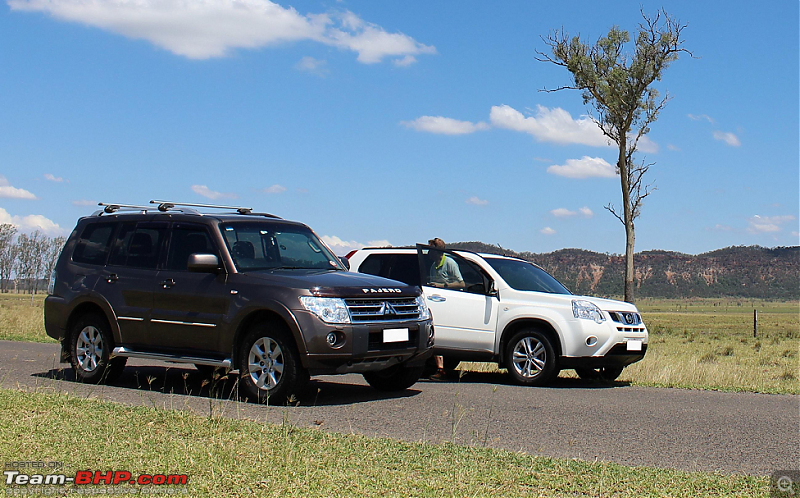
(20, 320)
(228, 457)
(697, 343)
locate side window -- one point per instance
(138, 246)
(93, 245)
(405, 268)
(187, 240)
(451, 271)
(376, 264)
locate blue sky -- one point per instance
(396, 122)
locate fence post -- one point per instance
(755, 323)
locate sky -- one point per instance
(395, 122)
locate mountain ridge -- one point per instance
(735, 271)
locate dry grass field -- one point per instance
(698, 343)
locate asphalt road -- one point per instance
(672, 428)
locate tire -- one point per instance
(530, 358)
(91, 344)
(269, 365)
(395, 378)
(608, 374)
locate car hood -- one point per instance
(608, 304)
(330, 283)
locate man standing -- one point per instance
(444, 274)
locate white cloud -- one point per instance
(275, 189)
(795, 234)
(647, 146)
(341, 247)
(547, 231)
(768, 224)
(53, 178)
(722, 228)
(9, 192)
(444, 126)
(566, 213)
(699, 117)
(585, 167)
(563, 213)
(673, 147)
(84, 202)
(214, 28)
(312, 65)
(728, 138)
(212, 194)
(550, 125)
(405, 61)
(31, 222)
(475, 200)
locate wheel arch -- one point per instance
(522, 323)
(282, 318)
(91, 307)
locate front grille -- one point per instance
(626, 317)
(381, 310)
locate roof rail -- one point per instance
(112, 208)
(164, 206)
(167, 205)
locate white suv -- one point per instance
(512, 312)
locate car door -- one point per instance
(188, 306)
(464, 315)
(128, 278)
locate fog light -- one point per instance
(591, 340)
(331, 338)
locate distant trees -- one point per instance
(26, 259)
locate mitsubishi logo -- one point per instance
(387, 309)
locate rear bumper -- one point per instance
(617, 356)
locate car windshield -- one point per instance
(276, 246)
(524, 276)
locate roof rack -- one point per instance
(167, 205)
(164, 206)
(113, 208)
(170, 206)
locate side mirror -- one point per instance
(345, 262)
(203, 263)
(493, 290)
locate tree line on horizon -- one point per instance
(26, 259)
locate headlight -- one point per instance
(587, 310)
(424, 312)
(327, 309)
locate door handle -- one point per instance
(112, 278)
(437, 298)
(167, 283)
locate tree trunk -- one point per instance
(627, 217)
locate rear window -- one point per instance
(401, 267)
(93, 244)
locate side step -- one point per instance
(123, 351)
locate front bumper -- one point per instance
(617, 356)
(362, 348)
(593, 345)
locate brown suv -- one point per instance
(234, 290)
